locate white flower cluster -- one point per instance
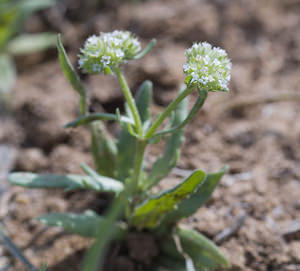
(108, 50)
(207, 67)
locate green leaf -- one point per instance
(172, 258)
(27, 6)
(204, 253)
(126, 144)
(71, 75)
(14, 250)
(168, 160)
(144, 99)
(14, 13)
(8, 74)
(95, 117)
(150, 213)
(9, 22)
(30, 43)
(86, 224)
(170, 264)
(44, 267)
(169, 249)
(35, 5)
(104, 150)
(189, 206)
(67, 182)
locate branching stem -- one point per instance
(159, 120)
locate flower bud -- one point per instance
(207, 67)
(106, 52)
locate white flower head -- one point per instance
(107, 51)
(207, 67)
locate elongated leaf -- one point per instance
(24, 5)
(14, 250)
(95, 117)
(150, 213)
(204, 253)
(127, 143)
(67, 182)
(189, 206)
(9, 22)
(44, 267)
(86, 224)
(167, 263)
(71, 75)
(169, 248)
(104, 150)
(144, 99)
(174, 257)
(7, 74)
(13, 14)
(30, 43)
(168, 160)
(126, 146)
(34, 5)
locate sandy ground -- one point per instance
(250, 128)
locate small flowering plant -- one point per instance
(120, 163)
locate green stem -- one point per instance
(106, 232)
(138, 164)
(159, 120)
(82, 104)
(130, 101)
(197, 106)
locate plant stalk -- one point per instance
(82, 104)
(159, 120)
(138, 165)
(94, 259)
(131, 102)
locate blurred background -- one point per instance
(254, 215)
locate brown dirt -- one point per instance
(260, 142)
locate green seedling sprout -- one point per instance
(119, 162)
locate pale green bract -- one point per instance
(107, 51)
(207, 67)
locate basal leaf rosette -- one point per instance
(107, 51)
(207, 67)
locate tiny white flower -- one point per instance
(92, 40)
(96, 68)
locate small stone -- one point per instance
(292, 231)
